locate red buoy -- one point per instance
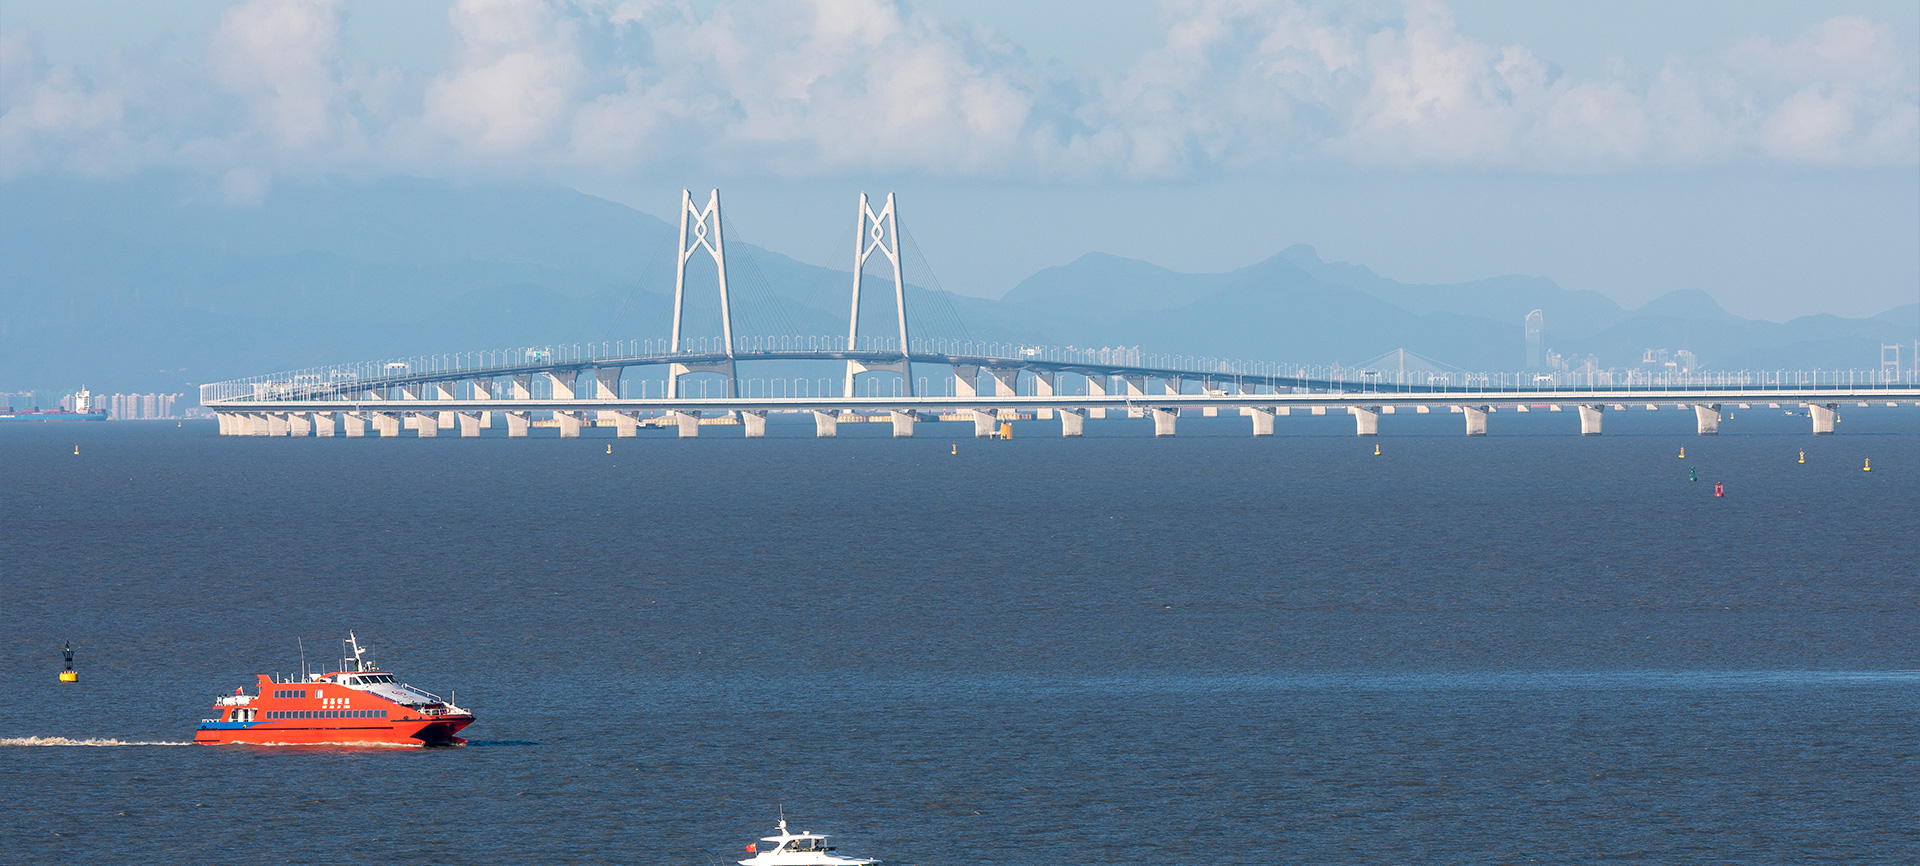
(1719, 489)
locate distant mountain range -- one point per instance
(153, 283)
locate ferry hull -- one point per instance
(405, 732)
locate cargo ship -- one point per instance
(359, 704)
(82, 411)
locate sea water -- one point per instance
(1528, 647)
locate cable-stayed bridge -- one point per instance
(682, 379)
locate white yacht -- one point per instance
(797, 849)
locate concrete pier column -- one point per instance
(625, 426)
(387, 424)
(1043, 387)
(1163, 421)
(323, 423)
(1004, 380)
(1590, 420)
(1136, 387)
(1262, 421)
(483, 390)
(1708, 415)
(982, 423)
(220, 418)
(688, 422)
(755, 423)
(1366, 420)
(521, 387)
(469, 425)
(562, 383)
(299, 424)
(966, 380)
(826, 425)
(276, 423)
(1097, 387)
(354, 424)
(1476, 420)
(518, 423)
(902, 424)
(569, 424)
(606, 386)
(1823, 417)
(427, 424)
(1073, 422)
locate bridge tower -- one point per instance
(704, 226)
(878, 232)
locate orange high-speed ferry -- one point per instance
(359, 704)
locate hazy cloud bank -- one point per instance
(836, 87)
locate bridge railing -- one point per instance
(329, 381)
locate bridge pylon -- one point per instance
(704, 226)
(878, 232)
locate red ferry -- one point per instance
(359, 704)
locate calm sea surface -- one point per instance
(1214, 649)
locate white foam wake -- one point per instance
(69, 741)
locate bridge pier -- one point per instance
(426, 424)
(276, 423)
(1823, 417)
(469, 425)
(1043, 387)
(902, 424)
(299, 424)
(1262, 421)
(569, 424)
(1163, 420)
(1136, 387)
(1096, 387)
(518, 423)
(1476, 420)
(755, 421)
(826, 425)
(386, 424)
(354, 424)
(982, 423)
(1708, 415)
(1072, 422)
(687, 422)
(1366, 420)
(323, 423)
(1590, 419)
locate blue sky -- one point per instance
(1768, 153)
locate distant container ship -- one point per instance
(82, 411)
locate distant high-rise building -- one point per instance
(1536, 341)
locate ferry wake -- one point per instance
(359, 704)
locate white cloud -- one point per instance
(834, 87)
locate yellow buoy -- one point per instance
(1683, 452)
(1006, 430)
(1376, 449)
(68, 675)
(1868, 467)
(956, 448)
(1803, 456)
(609, 448)
(76, 450)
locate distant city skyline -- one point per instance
(1767, 153)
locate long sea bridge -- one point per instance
(609, 383)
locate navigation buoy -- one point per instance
(1683, 452)
(956, 448)
(609, 447)
(68, 675)
(1803, 456)
(1376, 449)
(1719, 489)
(1693, 475)
(1869, 466)
(76, 450)
(1006, 430)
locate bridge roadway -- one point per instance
(304, 415)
